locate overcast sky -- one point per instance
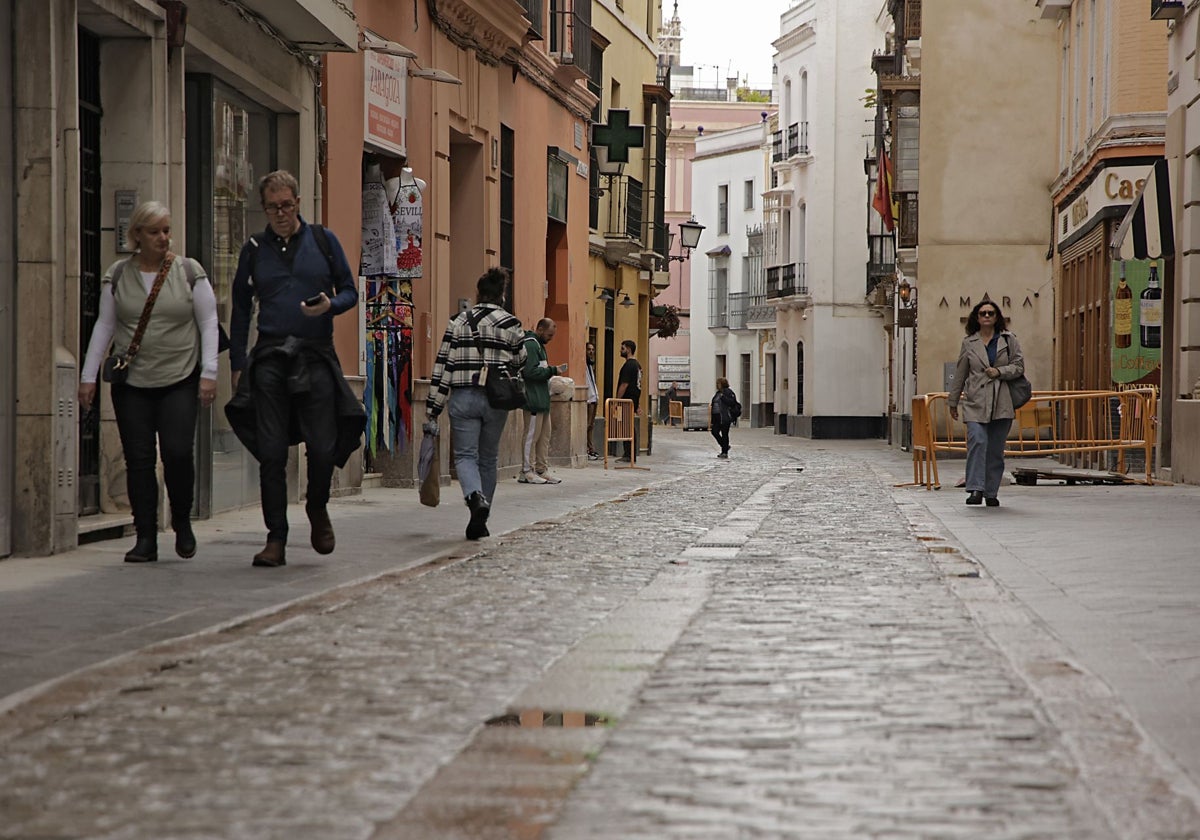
(717, 46)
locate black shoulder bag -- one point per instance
(504, 388)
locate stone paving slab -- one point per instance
(834, 681)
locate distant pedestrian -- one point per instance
(475, 425)
(593, 400)
(672, 396)
(629, 385)
(293, 389)
(537, 372)
(724, 409)
(172, 371)
(990, 356)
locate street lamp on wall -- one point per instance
(689, 239)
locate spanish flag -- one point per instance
(883, 202)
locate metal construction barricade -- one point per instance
(1087, 424)
(675, 412)
(620, 425)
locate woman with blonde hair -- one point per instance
(159, 313)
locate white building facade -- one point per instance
(727, 271)
(830, 349)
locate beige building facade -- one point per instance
(983, 223)
(101, 93)
(971, 173)
(1181, 385)
(627, 234)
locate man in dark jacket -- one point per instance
(294, 389)
(537, 373)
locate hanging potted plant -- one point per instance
(664, 320)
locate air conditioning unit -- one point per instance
(566, 58)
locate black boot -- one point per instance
(975, 498)
(145, 550)
(480, 509)
(185, 540)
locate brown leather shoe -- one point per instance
(322, 530)
(273, 555)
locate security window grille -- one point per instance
(718, 294)
(89, 255)
(723, 209)
(508, 202)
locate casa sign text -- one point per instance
(1115, 186)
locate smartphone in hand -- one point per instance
(315, 300)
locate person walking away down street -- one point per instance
(990, 356)
(537, 372)
(173, 371)
(672, 396)
(455, 383)
(291, 389)
(629, 385)
(725, 408)
(593, 400)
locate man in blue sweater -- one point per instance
(293, 389)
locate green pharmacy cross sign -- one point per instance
(618, 136)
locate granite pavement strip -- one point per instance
(779, 655)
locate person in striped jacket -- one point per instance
(476, 426)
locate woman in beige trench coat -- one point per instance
(990, 356)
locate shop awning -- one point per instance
(313, 25)
(1147, 231)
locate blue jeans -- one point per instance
(985, 456)
(476, 428)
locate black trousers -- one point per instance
(720, 431)
(167, 417)
(316, 415)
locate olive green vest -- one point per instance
(170, 348)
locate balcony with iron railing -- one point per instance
(777, 146)
(570, 39)
(881, 259)
(739, 305)
(786, 281)
(906, 225)
(797, 139)
(535, 11)
(624, 219)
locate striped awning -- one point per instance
(1147, 232)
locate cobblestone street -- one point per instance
(778, 645)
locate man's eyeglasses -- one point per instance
(283, 207)
(987, 314)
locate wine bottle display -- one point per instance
(1150, 312)
(1123, 315)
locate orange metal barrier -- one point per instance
(675, 412)
(1051, 423)
(619, 425)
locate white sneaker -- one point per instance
(549, 479)
(531, 478)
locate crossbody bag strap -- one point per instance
(135, 343)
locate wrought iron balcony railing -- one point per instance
(786, 280)
(777, 146)
(906, 225)
(535, 11)
(797, 139)
(624, 220)
(570, 38)
(739, 305)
